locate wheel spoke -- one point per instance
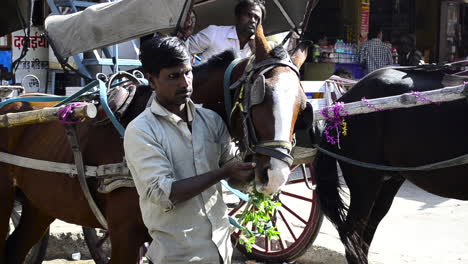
(273, 220)
(234, 211)
(287, 225)
(293, 213)
(297, 196)
(280, 240)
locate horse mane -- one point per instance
(279, 52)
(138, 104)
(221, 61)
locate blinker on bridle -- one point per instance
(252, 92)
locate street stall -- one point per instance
(335, 29)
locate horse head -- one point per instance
(272, 101)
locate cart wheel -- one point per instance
(99, 246)
(298, 221)
(37, 253)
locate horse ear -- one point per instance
(262, 49)
(300, 53)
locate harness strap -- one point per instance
(227, 81)
(58, 167)
(273, 143)
(272, 149)
(32, 99)
(105, 104)
(80, 168)
(76, 95)
(458, 161)
(276, 62)
(109, 113)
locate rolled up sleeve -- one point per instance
(228, 148)
(149, 166)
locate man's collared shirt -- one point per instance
(216, 39)
(375, 54)
(160, 149)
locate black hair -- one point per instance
(244, 4)
(159, 53)
(374, 32)
(343, 71)
(219, 61)
(279, 52)
(407, 39)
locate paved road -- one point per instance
(420, 228)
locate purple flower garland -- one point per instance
(335, 121)
(66, 113)
(371, 106)
(423, 99)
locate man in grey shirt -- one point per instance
(175, 150)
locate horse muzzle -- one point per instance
(273, 166)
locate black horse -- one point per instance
(401, 137)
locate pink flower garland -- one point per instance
(335, 121)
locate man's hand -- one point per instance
(182, 190)
(242, 172)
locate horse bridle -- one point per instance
(251, 93)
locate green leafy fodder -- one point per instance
(256, 220)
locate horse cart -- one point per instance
(298, 220)
(107, 199)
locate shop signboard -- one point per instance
(35, 63)
(365, 15)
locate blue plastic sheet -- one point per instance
(5, 59)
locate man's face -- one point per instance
(248, 19)
(174, 85)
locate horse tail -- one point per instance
(329, 190)
(330, 195)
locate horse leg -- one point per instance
(364, 187)
(381, 207)
(7, 198)
(32, 226)
(126, 228)
(126, 242)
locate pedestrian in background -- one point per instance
(408, 55)
(374, 53)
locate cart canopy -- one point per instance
(14, 15)
(110, 23)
